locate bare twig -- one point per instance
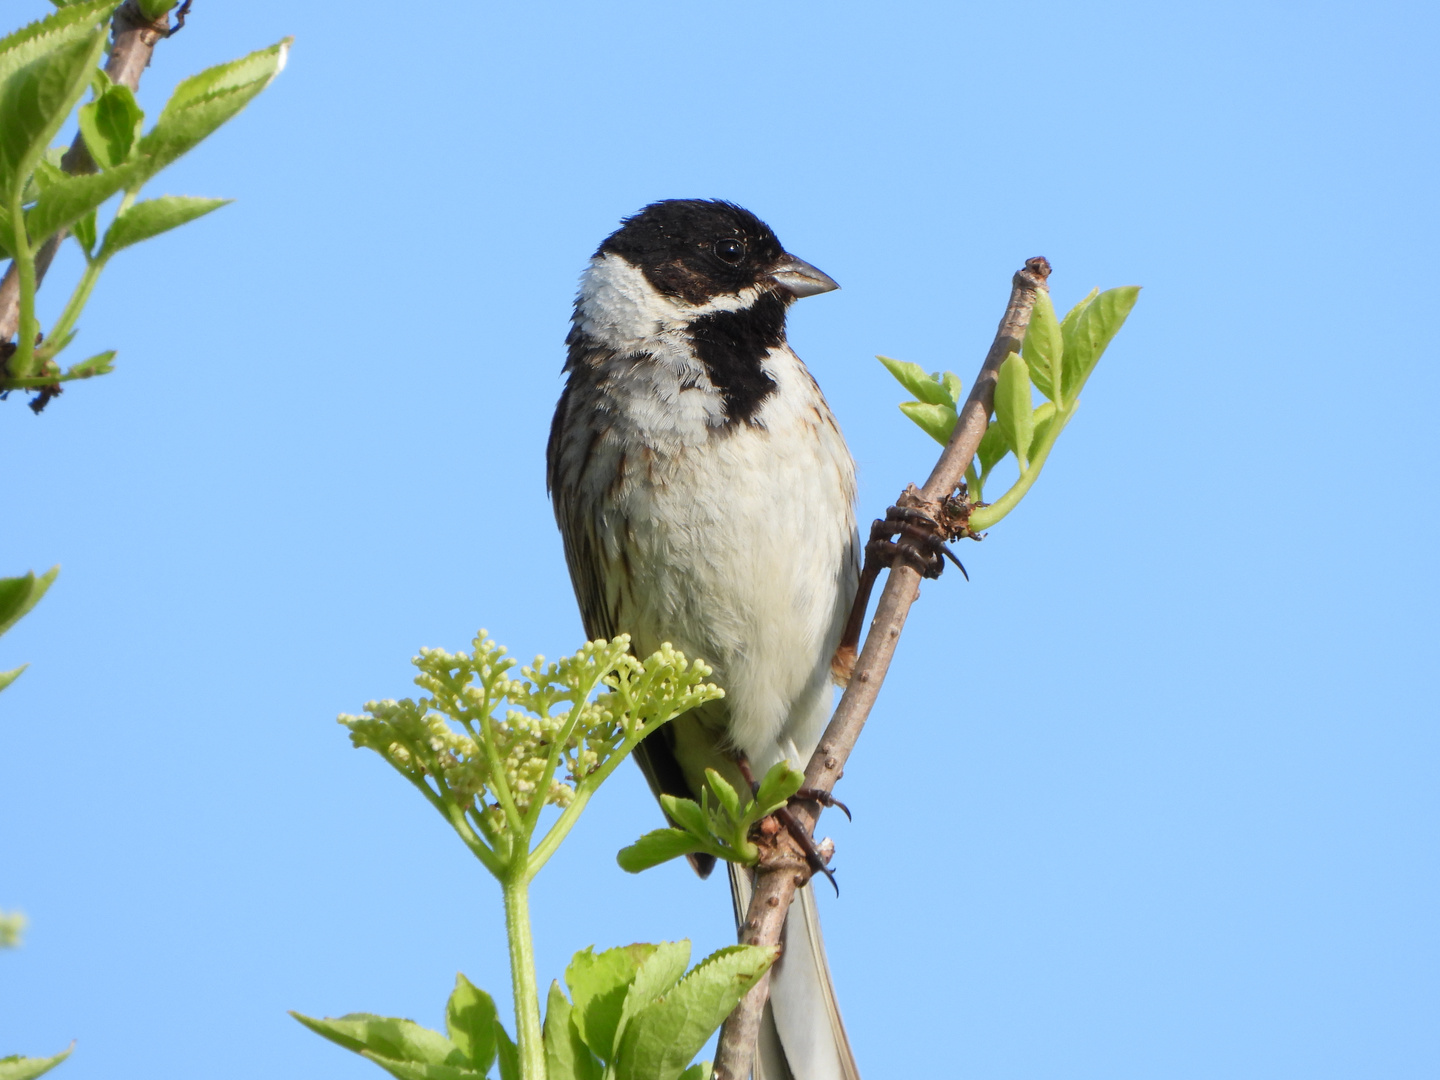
(132, 40)
(775, 885)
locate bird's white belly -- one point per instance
(741, 552)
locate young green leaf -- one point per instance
(64, 202)
(954, 388)
(46, 35)
(1088, 334)
(1076, 311)
(913, 378)
(421, 1070)
(83, 230)
(1044, 417)
(470, 1024)
(203, 102)
(993, 447)
(657, 847)
(661, 1040)
(7, 677)
(687, 814)
(1044, 347)
(566, 1055)
(726, 794)
(1013, 411)
(19, 594)
(506, 1053)
(937, 421)
(776, 787)
(661, 970)
(699, 1071)
(387, 1037)
(153, 217)
(598, 983)
(16, 1067)
(153, 9)
(111, 125)
(34, 102)
(99, 364)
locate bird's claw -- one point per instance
(814, 858)
(920, 544)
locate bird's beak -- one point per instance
(799, 278)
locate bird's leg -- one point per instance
(921, 530)
(813, 858)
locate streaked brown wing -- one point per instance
(597, 590)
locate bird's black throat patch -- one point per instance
(733, 345)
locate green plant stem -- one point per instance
(522, 972)
(983, 517)
(556, 834)
(77, 302)
(500, 786)
(23, 362)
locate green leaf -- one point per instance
(598, 983)
(937, 421)
(661, 1040)
(506, 1053)
(387, 1037)
(913, 378)
(1076, 311)
(153, 9)
(99, 364)
(16, 1067)
(83, 229)
(1044, 347)
(153, 217)
(19, 594)
(38, 38)
(470, 1023)
(111, 126)
(993, 447)
(657, 847)
(203, 102)
(7, 677)
(661, 970)
(1091, 331)
(566, 1055)
(777, 786)
(66, 201)
(35, 101)
(1012, 406)
(419, 1070)
(687, 814)
(699, 1071)
(954, 388)
(726, 794)
(1044, 416)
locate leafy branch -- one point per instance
(1057, 359)
(721, 829)
(48, 192)
(776, 879)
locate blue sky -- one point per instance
(1154, 795)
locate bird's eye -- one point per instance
(730, 250)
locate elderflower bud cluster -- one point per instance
(490, 744)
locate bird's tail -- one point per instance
(801, 1036)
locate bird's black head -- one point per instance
(698, 249)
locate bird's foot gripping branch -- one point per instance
(490, 753)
